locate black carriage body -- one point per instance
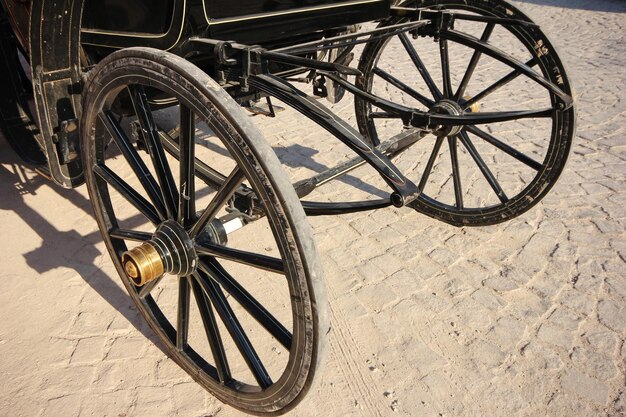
(166, 24)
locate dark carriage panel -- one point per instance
(126, 23)
(141, 16)
(254, 21)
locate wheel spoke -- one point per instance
(247, 301)
(505, 148)
(473, 63)
(402, 86)
(146, 289)
(430, 163)
(267, 263)
(133, 235)
(134, 160)
(186, 141)
(127, 192)
(420, 66)
(456, 173)
(212, 332)
(229, 187)
(203, 172)
(497, 85)
(182, 322)
(491, 179)
(445, 68)
(233, 326)
(155, 149)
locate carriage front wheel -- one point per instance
(233, 291)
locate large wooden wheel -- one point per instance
(242, 311)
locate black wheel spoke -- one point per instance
(146, 289)
(431, 162)
(229, 187)
(127, 192)
(134, 160)
(186, 141)
(497, 85)
(133, 235)
(491, 179)
(155, 149)
(456, 172)
(203, 172)
(445, 68)
(247, 301)
(212, 332)
(420, 66)
(473, 63)
(233, 326)
(182, 320)
(505, 148)
(403, 87)
(257, 260)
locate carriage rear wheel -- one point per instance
(473, 174)
(234, 293)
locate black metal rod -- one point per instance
(248, 302)
(505, 148)
(431, 162)
(127, 192)
(124, 234)
(350, 39)
(205, 173)
(212, 331)
(155, 149)
(223, 194)
(456, 172)
(134, 160)
(484, 117)
(417, 61)
(403, 87)
(257, 260)
(389, 148)
(182, 319)
(147, 288)
(309, 63)
(313, 208)
(187, 189)
(491, 179)
(497, 85)
(233, 326)
(473, 63)
(445, 68)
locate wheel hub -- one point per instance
(451, 108)
(170, 250)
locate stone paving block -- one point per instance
(612, 314)
(584, 386)
(506, 333)
(597, 365)
(555, 335)
(88, 350)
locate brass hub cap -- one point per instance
(170, 250)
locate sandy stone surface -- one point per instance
(527, 318)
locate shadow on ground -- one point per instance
(14, 185)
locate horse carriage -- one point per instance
(145, 102)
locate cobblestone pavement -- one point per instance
(527, 318)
